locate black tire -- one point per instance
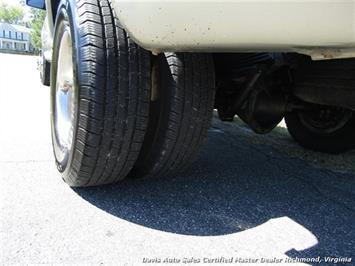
(112, 79)
(340, 139)
(180, 113)
(45, 72)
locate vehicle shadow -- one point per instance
(236, 185)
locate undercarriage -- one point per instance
(316, 98)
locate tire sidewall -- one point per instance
(66, 16)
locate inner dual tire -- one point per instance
(115, 107)
(181, 109)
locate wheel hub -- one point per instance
(65, 95)
(325, 120)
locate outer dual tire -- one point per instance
(109, 98)
(111, 111)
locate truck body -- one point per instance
(323, 29)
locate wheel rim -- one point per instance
(65, 92)
(325, 120)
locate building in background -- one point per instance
(15, 38)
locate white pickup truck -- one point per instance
(134, 83)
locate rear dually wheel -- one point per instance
(100, 87)
(323, 128)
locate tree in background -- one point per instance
(16, 15)
(37, 19)
(11, 14)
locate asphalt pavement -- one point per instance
(247, 198)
